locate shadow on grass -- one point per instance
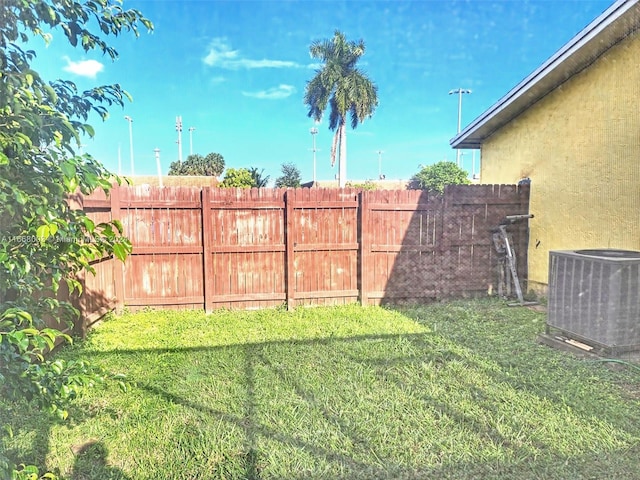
(425, 352)
(91, 463)
(251, 428)
(90, 457)
(367, 459)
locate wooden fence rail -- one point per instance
(210, 247)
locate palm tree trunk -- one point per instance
(334, 146)
(342, 166)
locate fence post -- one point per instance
(365, 247)
(207, 240)
(118, 266)
(289, 251)
(445, 258)
(522, 254)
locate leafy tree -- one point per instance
(237, 177)
(259, 180)
(43, 241)
(211, 166)
(290, 176)
(435, 177)
(344, 87)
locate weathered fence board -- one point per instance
(324, 228)
(403, 228)
(244, 242)
(255, 248)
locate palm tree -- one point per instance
(259, 180)
(344, 87)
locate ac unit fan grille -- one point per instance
(596, 296)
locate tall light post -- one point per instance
(179, 142)
(157, 152)
(380, 152)
(191, 129)
(314, 131)
(459, 92)
(473, 164)
(130, 120)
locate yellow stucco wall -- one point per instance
(580, 145)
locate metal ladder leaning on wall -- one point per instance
(504, 246)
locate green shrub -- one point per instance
(43, 241)
(437, 176)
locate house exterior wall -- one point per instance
(580, 145)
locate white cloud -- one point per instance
(84, 68)
(221, 55)
(217, 80)
(246, 63)
(275, 93)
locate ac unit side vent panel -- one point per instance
(595, 294)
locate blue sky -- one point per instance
(236, 71)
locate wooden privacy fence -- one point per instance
(209, 247)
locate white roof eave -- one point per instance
(615, 23)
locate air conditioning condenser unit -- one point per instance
(594, 297)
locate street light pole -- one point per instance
(130, 120)
(314, 131)
(473, 164)
(179, 142)
(459, 92)
(191, 129)
(380, 152)
(157, 152)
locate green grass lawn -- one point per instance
(458, 390)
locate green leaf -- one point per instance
(19, 339)
(57, 366)
(43, 232)
(120, 251)
(24, 315)
(51, 93)
(51, 15)
(89, 130)
(73, 184)
(49, 341)
(4, 160)
(90, 180)
(31, 472)
(68, 169)
(88, 224)
(118, 224)
(20, 196)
